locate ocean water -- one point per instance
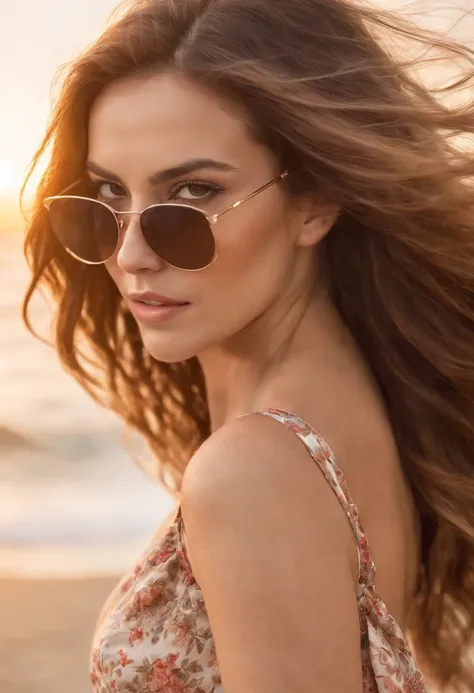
(72, 501)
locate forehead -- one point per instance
(161, 119)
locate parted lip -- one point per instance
(151, 296)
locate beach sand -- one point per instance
(45, 633)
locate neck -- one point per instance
(263, 364)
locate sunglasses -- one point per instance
(180, 234)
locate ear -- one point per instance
(318, 216)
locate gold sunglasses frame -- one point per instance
(210, 218)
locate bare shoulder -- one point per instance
(254, 464)
(273, 553)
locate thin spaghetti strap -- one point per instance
(329, 466)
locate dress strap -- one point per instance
(329, 466)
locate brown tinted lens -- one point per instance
(85, 227)
(180, 235)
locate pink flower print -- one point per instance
(153, 558)
(124, 660)
(97, 661)
(134, 635)
(416, 684)
(162, 676)
(146, 596)
(378, 610)
(188, 574)
(165, 553)
(364, 551)
(160, 555)
(298, 428)
(389, 686)
(320, 457)
(387, 660)
(181, 632)
(127, 584)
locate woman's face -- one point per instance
(141, 127)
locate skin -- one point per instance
(266, 335)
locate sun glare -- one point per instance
(7, 177)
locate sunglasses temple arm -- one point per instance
(257, 192)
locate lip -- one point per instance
(154, 314)
(152, 296)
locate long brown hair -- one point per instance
(325, 93)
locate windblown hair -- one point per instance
(325, 90)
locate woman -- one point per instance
(256, 224)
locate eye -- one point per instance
(192, 191)
(108, 191)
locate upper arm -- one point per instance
(273, 553)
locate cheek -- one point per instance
(113, 271)
(253, 257)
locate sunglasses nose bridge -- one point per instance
(124, 217)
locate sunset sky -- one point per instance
(36, 37)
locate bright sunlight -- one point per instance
(7, 177)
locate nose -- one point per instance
(134, 254)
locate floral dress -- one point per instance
(154, 632)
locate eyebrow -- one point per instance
(169, 173)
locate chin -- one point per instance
(169, 354)
(169, 348)
(176, 346)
